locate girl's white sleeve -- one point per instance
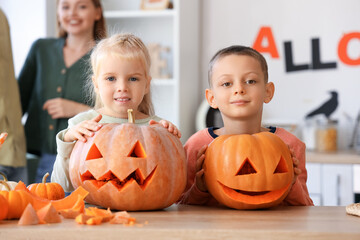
(60, 172)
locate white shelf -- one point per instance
(139, 14)
(163, 82)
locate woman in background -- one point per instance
(52, 78)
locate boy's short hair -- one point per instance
(238, 50)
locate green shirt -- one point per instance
(44, 76)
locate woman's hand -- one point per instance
(199, 176)
(83, 130)
(63, 108)
(169, 126)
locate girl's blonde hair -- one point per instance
(125, 46)
(99, 31)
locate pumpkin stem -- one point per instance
(6, 185)
(45, 177)
(4, 176)
(131, 118)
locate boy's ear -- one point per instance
(210, 98)
(269, 92)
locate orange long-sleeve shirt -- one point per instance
(298, 195)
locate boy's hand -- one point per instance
(83, 129)
(297, 170)
(169, 126)
(199, 176)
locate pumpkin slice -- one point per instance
(82, 218)
(73, 212)
(2, 138)
(65, 203)
(48, 214)
(106, 215)
(94, 220)
(29, 216)
(122, 217)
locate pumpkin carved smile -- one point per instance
(110, 177)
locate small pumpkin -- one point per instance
(248, 171)
(130, 167)
(4, 207)
(11, 184)
(51, 191)
(17, 201)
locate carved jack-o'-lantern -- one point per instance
(248, 171)
(130, 167)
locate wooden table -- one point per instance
(198, 222)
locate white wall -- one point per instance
(26, 21)
(229, 22)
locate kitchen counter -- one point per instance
(341, 157)
(198, 222)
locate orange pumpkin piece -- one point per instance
(106, 215)
(51, 191)
(122, 217)
(4, 207)
(97, 220)
(48, 214)
(77, 209)
(248, 171)
(2, 138)
(29, 216)
(64, 203)
(17, 201)
(82, 218)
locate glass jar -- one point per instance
(326, 136)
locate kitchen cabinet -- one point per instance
(330, 177)
(176, 30)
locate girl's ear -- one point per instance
(96, 87)
(269, 92)
(147, 89)
(210, 98)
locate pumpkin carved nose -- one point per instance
(137, 151)
(246, 168)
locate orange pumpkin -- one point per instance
(4, 207)
(130, 167)
(17, 201)
(248, 171)
(51, 191)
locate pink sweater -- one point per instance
(298, 195)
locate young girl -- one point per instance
(120, 81)
(52, 77)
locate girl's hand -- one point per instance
(297, 170)
(170, 127)
(199, 176)
(83, 129)
(63, 108)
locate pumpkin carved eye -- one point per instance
(93, 153)
(246, 168)
(281, 167)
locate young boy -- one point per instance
(238, 79)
